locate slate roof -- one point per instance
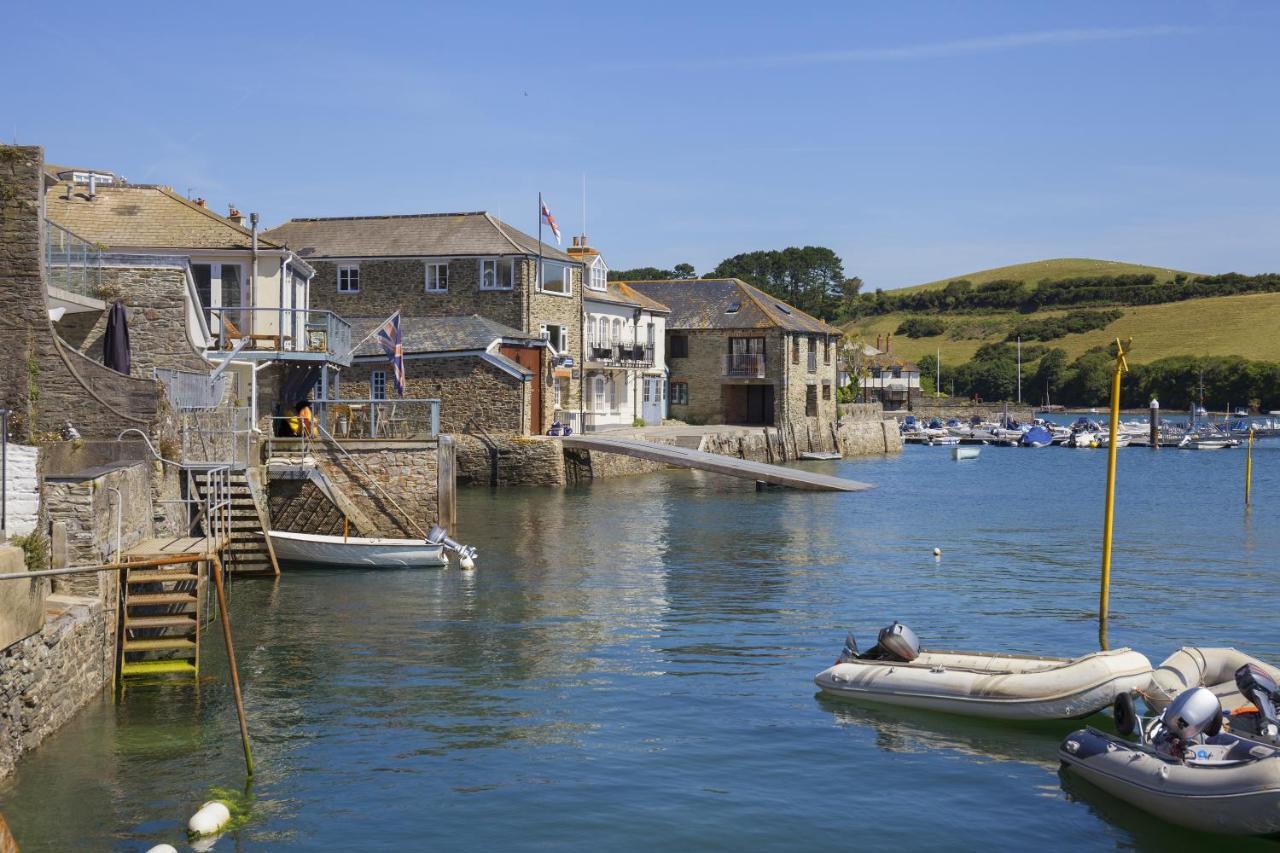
(125, 217)
(410, 235)
(437, 334)
(622, 293)
(704, 303)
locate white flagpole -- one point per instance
(370, 335)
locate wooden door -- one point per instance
(531, 358)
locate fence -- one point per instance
(744, 365)
(402, 419)
(188, 390)
(622, 354)
(282, 330)
(71, 264)
(222, 435)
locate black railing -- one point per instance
(621, 354)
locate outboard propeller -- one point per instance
(1258, 686)
(850, 650)
(466, 553)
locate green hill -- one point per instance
(1054, 268)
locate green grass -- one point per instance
(1054, 268)
(1241, 325)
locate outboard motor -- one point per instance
(1259, 687)
(850, 650)
(1196, 711)
(898, 642)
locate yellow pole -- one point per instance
(1248, 471)
(1109, 516)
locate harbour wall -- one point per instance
(951, 407)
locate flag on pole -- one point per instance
(389, 339)
(551, 221)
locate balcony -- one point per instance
(744, 365)
(620, 354)
(73, 270)
(271, 334)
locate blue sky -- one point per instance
(917, 140)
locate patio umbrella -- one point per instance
(115, 343)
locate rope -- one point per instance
(325, 434)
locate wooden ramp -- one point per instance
(684, 457)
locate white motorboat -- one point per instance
(316, 550)
(946, 439)
(1083, 439)
(1194, 441)
(1122, 440)
(1184, 768)
(959, 453)
(1000, 686)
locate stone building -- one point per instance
(737, 355)
(453, 265)
(484, 374)
(624, 348)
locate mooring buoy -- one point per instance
(211, 818)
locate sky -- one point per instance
(917, 140)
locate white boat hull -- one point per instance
(958, 453)
(1008, 687)
(316, 550)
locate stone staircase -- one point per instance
(160, 627)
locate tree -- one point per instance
(810, 277)
(642, 274)
(1049, 374)
(684, 271)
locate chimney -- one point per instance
(879, 343)
(234, 214)
(201, 202)
(71, 191)
(888, 343)
(93, 186)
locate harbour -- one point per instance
(657, 664)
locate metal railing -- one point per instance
(622, 354)
(746, 365)
(71, 263)
(217, 435)
(281, 330)
(404, 419)
(189, 390)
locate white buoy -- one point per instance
(937, 552)
(212, 816)
(163, 848)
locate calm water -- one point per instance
(630, 668)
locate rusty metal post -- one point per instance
(225, 619)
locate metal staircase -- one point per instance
(160, 628)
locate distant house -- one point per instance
(449, 265)
(479, 369)
(891, 381)
(737, 355)
(624, 334)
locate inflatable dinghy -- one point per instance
(1214, 668)
(897, 671)
(1185, 770)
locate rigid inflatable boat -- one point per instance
(897, 671)
(1185, 769)
(1214, 668)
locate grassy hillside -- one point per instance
(1053, 269)
(1227, 325)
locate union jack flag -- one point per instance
(389, 339)
(551, 221)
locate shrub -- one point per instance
(921, 327)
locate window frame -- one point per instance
(345, 286)
(377, 378)
(678, 393)
(681, 350)
(566, 279)
(426, 282)
(497, 264)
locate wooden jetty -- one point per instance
(684, 457)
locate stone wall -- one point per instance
(299, 506)
(510, 461)
(958, 407)
(22, 489)
(472, 392)
(168, 517)
(47, 677)
(157, 303)
(405, 470)
(554, 309)
(44, 381)
(87, 505)
(868, 438)
(861, 412)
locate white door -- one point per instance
(652, 401)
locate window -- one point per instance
(556, 278)
(497, 273)
(811, 401)
(378, 384)
(679, 393)
(826, 349)
(221, 286)
(795, 349)
(679, 346)
(826, 392)
(617, 331)
(599, 276)
(897, 373)
(558, 337)
(744, 346)
(437, 277)
(349, 279)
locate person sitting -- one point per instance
(306, 424)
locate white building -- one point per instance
(624, 357)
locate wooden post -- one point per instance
(1155, 424)
(446, 483)
(225, 619)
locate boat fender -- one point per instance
(163, 848)
(211, 818)
(466, 563)
(1126, 716)
(937, 552)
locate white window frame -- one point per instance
(498, 266)
(436, 267)
(566, 279)
(558, 341)
(378, 385)
(348, 269)
(599, 278)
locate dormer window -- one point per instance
(599, 276)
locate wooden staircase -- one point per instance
(249, 551)
(160, 626)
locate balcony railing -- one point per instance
(620, 354)
(402, 419)
(71, 264)
(282, 331)
(744, 365)
(188, 390)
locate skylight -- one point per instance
(784, 309)
(733, 308)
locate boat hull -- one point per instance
(1007, 687)
(314, 550)
(1238, 798)
(1195, 666)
